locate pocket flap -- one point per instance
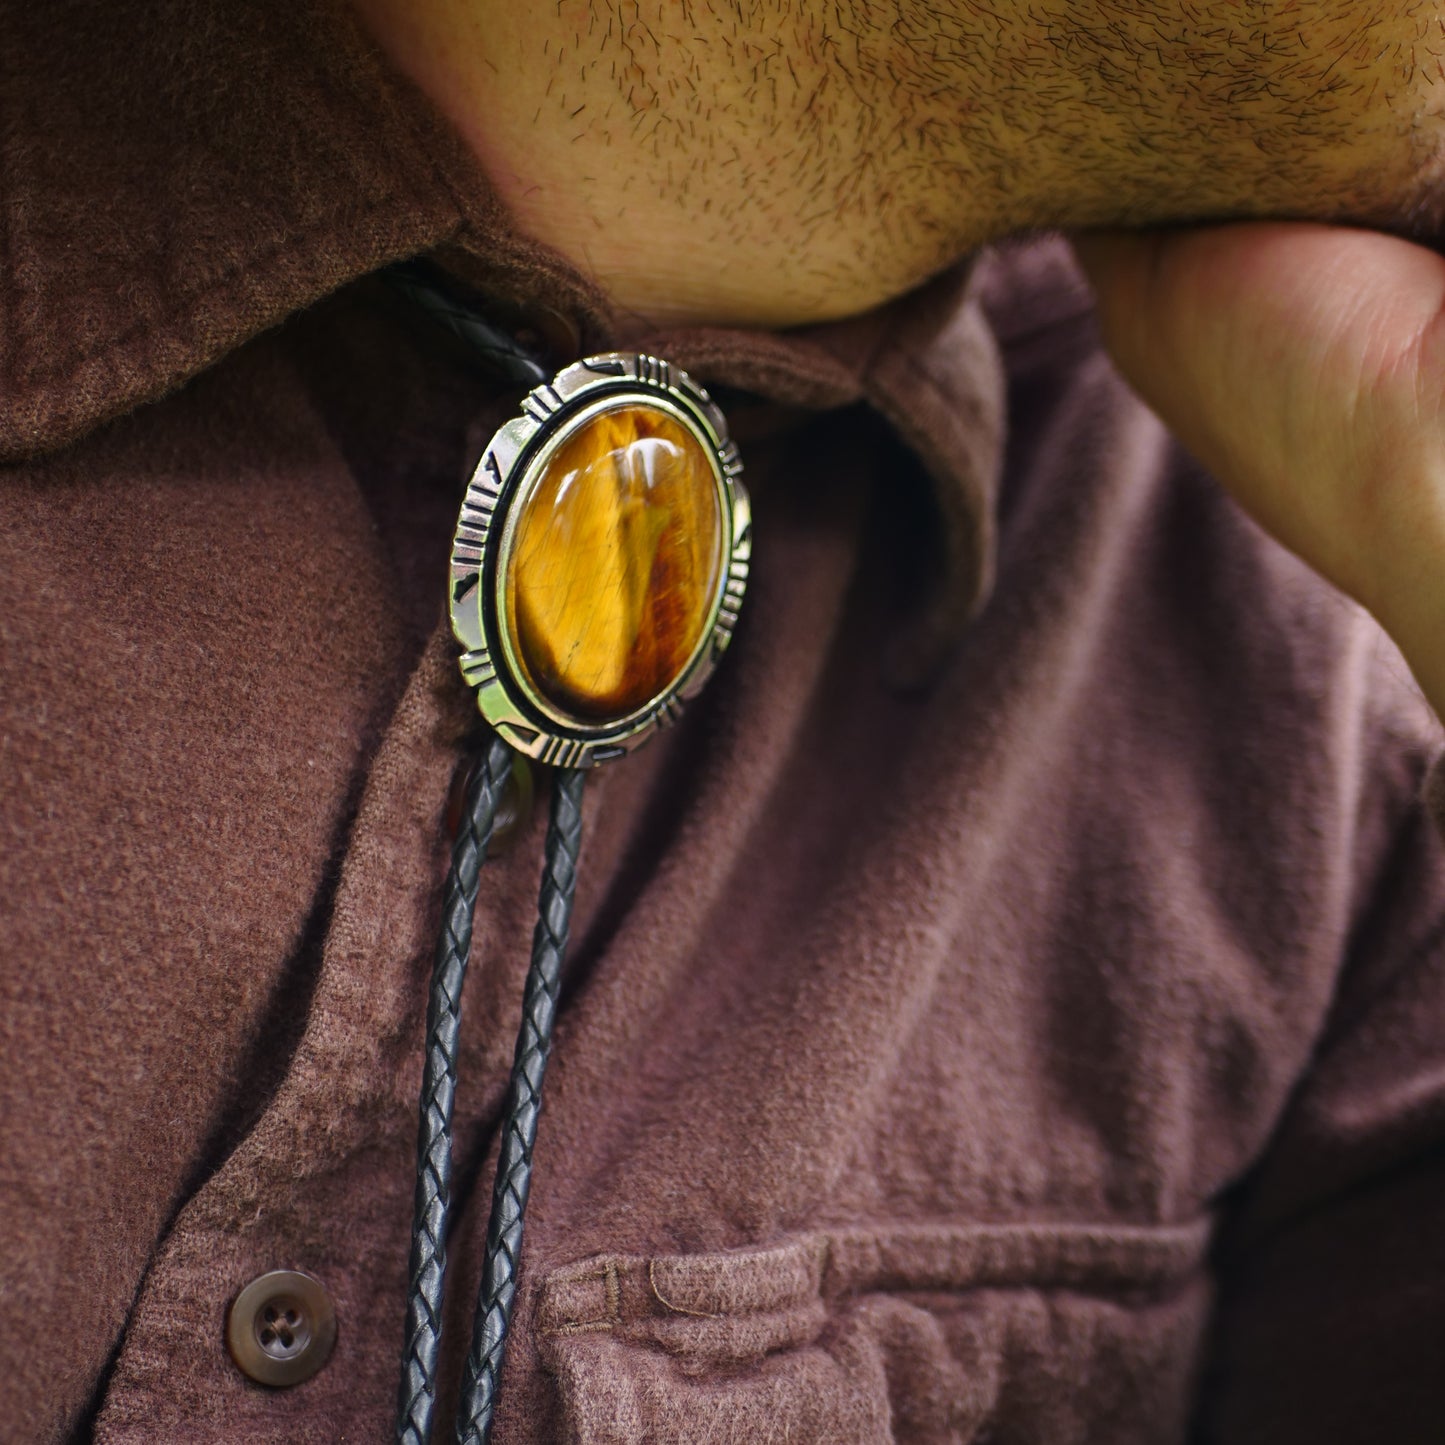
(865, 1336)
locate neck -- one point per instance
(709, 176)
(764, 164)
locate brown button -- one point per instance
(514, 807)
(281, 1328)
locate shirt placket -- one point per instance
(322, 1184)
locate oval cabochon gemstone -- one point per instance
(615, 563)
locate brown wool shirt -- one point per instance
(1009, 1008)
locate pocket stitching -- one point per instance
(612, 1294)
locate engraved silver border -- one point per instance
(505, 478)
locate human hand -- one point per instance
(1305, 366)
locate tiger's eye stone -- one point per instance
(615, 563)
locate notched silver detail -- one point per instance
(477, 668)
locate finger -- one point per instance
(1302, 363)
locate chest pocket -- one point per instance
(1032, 1333)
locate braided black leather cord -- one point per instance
(422, 285)
(419, 282)
(438, 1093)
(524, 1102)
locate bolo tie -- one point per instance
(600, 558)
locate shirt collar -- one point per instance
(246, 160)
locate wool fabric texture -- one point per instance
(1009, 1007)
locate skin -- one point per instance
(774, 162)
(769, 162)
(1305, 365)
